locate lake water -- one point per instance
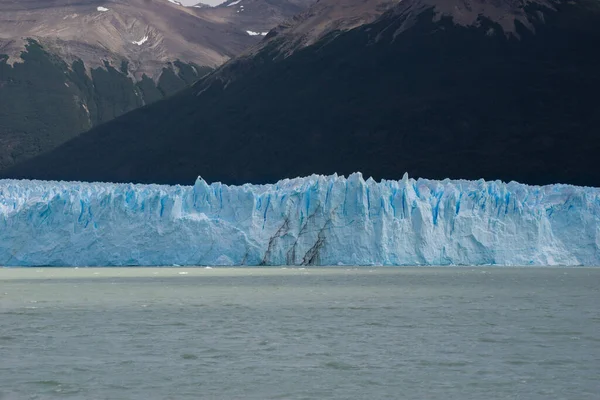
(338, 333)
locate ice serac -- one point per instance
(318, 220)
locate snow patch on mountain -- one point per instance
(141, 41)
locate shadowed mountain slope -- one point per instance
(509, 92)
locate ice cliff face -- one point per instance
(316, 220)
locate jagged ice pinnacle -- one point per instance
(318, 220)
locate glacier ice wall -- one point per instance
(318, 220)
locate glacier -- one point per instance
(317, 220)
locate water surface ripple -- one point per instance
(338, 333)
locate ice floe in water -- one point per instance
(317, 220)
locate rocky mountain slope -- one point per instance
(66, 66)
(503, 89)
(255, 16)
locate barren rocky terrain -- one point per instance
(67, 66)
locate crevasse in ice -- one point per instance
(317, 220)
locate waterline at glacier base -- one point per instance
(317, 220)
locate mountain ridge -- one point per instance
(145, 33)
(437, 100)
(67, 66)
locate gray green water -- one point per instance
(401, 333)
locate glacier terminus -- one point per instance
(317, 220)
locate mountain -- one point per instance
(66, 66)
(503, 89)
(257, 16)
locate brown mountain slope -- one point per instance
(66, 66)
(147, 33)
